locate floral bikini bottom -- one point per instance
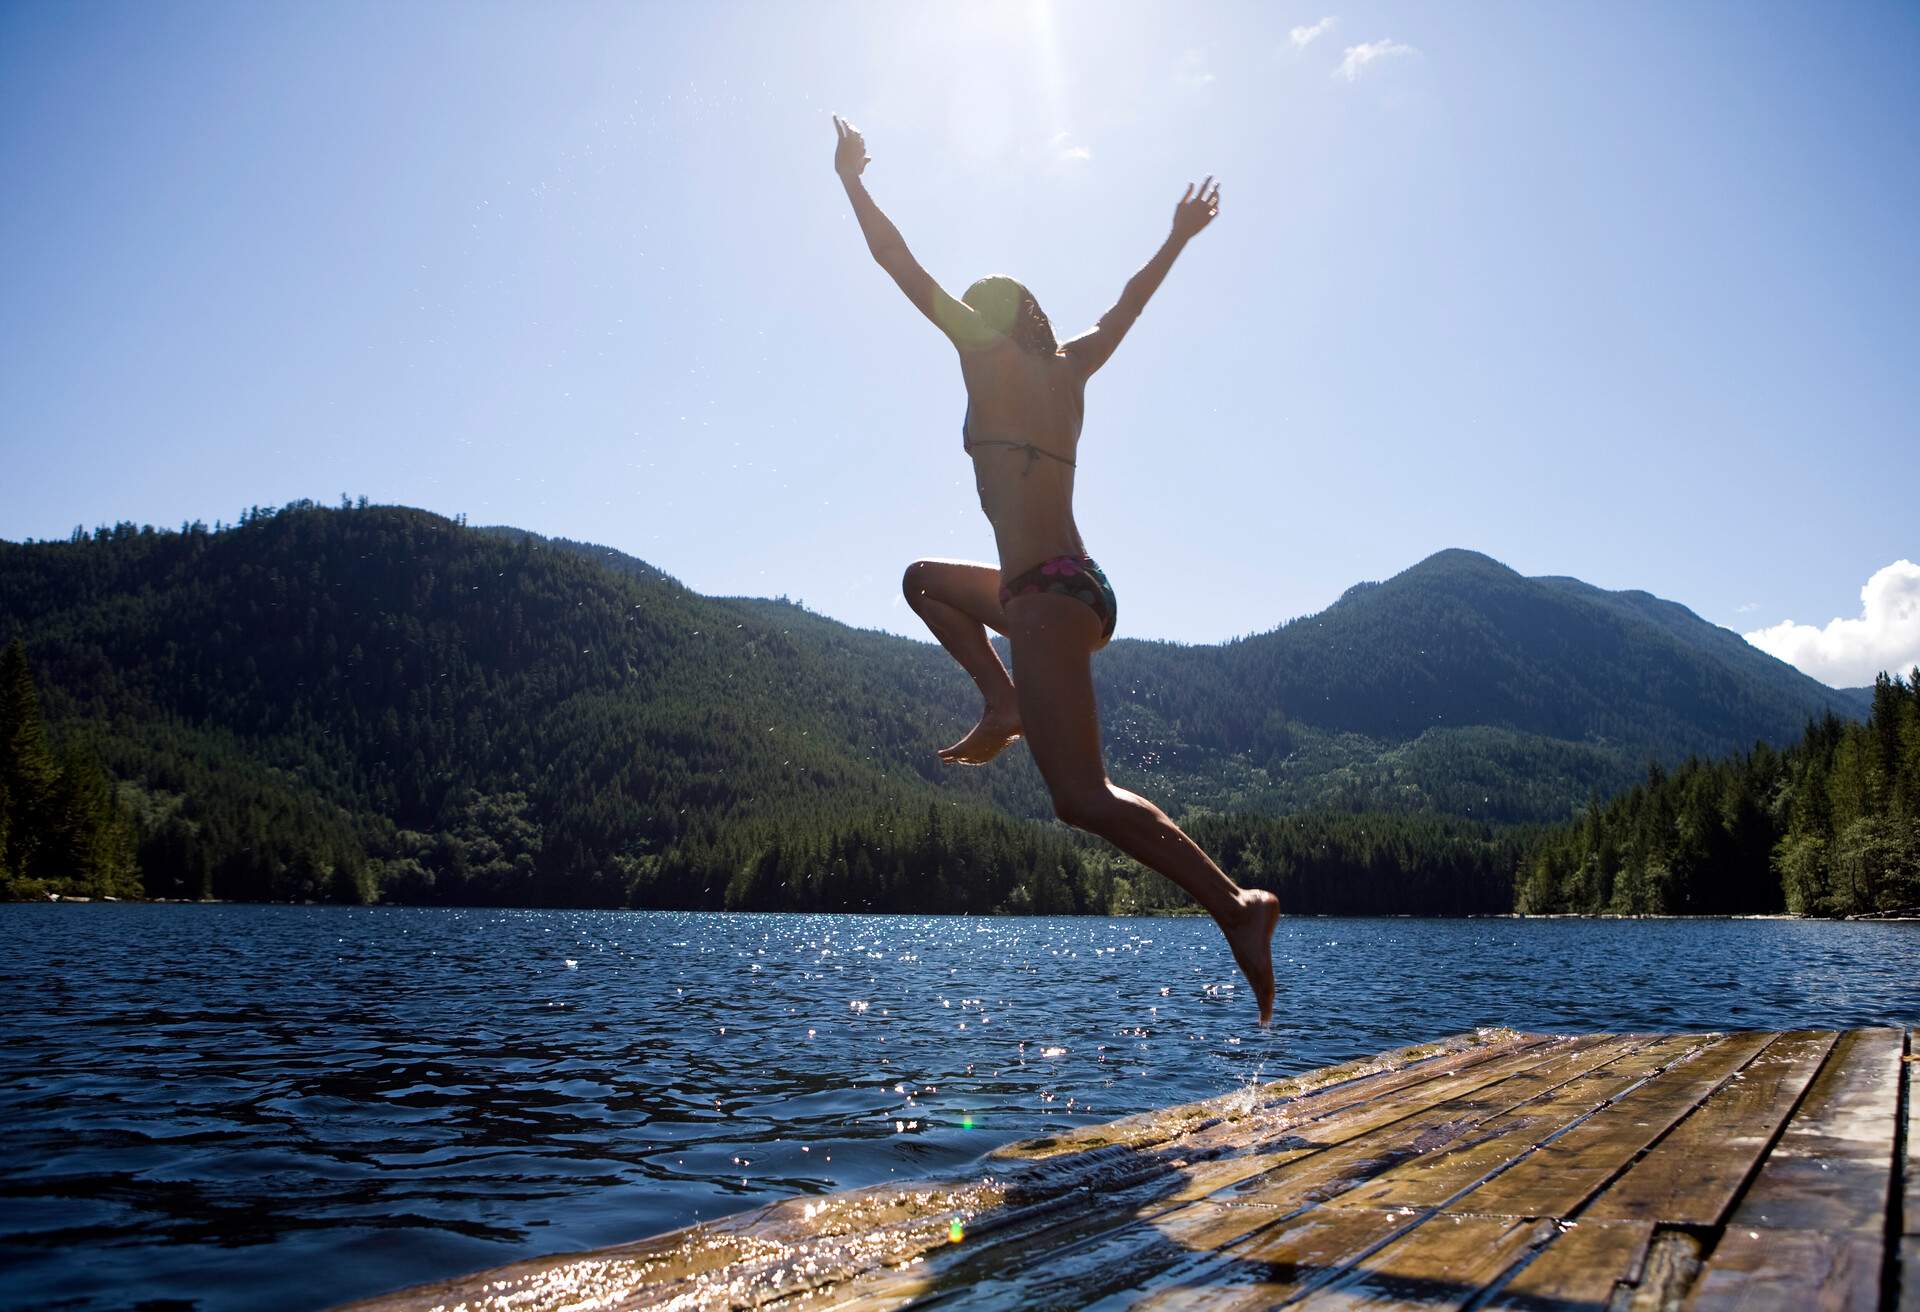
(1070, 576)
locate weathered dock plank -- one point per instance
(1581, 1266)
(1691, 1176)
(1569, 1170)
(1789, 1268)
(1811, 1228)
(1435, 1179)
(1149, 1234)
(1500, 1170)
(1444, 1262)
(1404, 1127)
(1285, 1260)
(1141, 1230)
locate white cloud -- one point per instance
(1064, 147)
(1192, 70)
(1367, 52)
(1303, 36)
(1849, 653)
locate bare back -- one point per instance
(1018, 397)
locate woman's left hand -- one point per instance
(850, 155)
(1195, 212)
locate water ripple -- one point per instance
(204, 1100)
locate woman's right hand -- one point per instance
(850, 155)
(1196, 212)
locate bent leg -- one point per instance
(958, 601)
(1053, 639)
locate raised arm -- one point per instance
(889, 249)
(1193, 212)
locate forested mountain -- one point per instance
(375, 701)
(1457, 686)
(1467, 683)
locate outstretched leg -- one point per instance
(1053, 638)
(959, 601)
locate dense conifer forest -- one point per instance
(62, 824)
(379, 704)
(1828, 827)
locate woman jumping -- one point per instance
(1051, 601)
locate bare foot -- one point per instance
(986, 740)
(1251, 938)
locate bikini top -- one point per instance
(1034, 452)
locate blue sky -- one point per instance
(1622, 292)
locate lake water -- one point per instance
(237, 1107)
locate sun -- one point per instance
(1010, 96)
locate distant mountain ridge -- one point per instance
(1460, 671)
(1460, 638)
(560, 715)
(1713, 691)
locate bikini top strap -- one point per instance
(1033, 449)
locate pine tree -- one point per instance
(91, 844)
(29, 775)
(1889, 700)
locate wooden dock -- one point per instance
(1494, 1170)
